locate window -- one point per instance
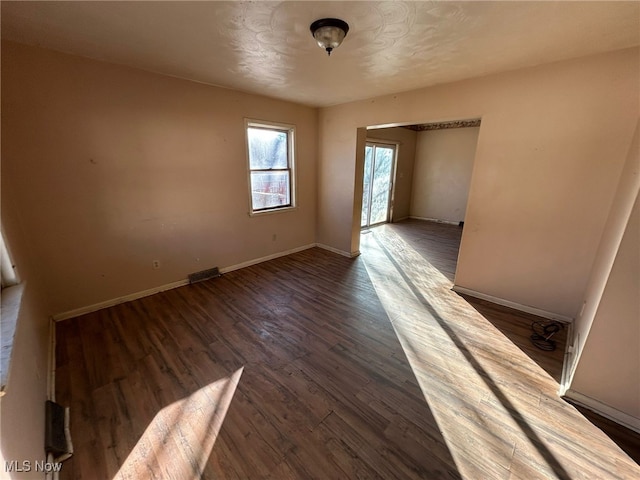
(7, 273)
(10, 297)
(271, 176)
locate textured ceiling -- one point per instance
(266, 47)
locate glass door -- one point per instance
(378, 172)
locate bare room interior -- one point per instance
(320, 240)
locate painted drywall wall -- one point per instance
(113, 168)
(22, 407)
(405, 140)
(609, 367)
(443, 166)
(551, 147)
(604, 365)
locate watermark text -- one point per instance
(29, 466)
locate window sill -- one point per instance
(10, 308)
(272, 211)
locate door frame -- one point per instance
(385, 143)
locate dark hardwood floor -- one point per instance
(319, 366)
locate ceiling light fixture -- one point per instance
(329, 33)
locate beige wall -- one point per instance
(444, 162)
(23, 405)
(405, 140)
(605, 364)
(112, 168)
(551, 148)
(609, 367)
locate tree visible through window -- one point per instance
(270, 152)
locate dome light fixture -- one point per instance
(329, 33)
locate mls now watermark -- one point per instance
(29, 466)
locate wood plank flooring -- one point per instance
(319, 366)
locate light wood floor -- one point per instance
(319, 366)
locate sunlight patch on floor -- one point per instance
(476, 418)
(178, 441)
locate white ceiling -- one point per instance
(267, 48)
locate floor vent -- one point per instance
(204, 275)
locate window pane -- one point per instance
(381, 183)
(366, 185)
(270, 189)
(267, 148)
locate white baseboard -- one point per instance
(516, 306)
(116, 301)
(604, 410)
(436, 220)
(567, 362)
(339, 252)
(169, 286)
(255, 261)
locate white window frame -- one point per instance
(290, 130)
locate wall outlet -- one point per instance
(156, 264)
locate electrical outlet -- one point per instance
(156, 264)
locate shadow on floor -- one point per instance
(626, 439)
(516, 326)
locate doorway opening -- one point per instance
(379, 168)
(427, 176)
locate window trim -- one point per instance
(290, 130)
